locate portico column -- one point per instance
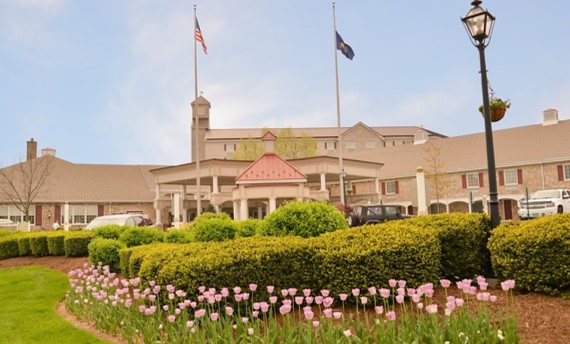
(244, 210)
(157, 209)
(422, 195)
(377, 187)
(272, 204)
(66, 216)
(323, 181)
(259, 213)
(236, 210)
(215, 190)
(176, 207)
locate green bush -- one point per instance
(304, 219)
(178, 236)
(24, 247)
(248, 228)
(76, 243)
(106, 251)
(131, 258)
(213, 227)
(39, 245)
(4, 232)
(56, 243)
(463, 241)
(110, 231)
(535, 253)
(371, 255)
(9, 246)
(136, 236)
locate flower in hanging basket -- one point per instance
(497, 103)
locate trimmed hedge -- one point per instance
(535, 253)
(105, 251)
(24, 247)
(56, 243)
(136, 236)
(76, 243)
(131, 258)
(110, 231)
(212, 227)
(304, 219)
(249, 228)
(9, 246)
(39, 244)
(178, 236)
(463, 241)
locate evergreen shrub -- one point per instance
(110, 231)
(248, 228)
(39, 244)
(136, 236)
(56, 243)
(105, 251)
(213, 227)
(76, 243)
(24, 247)
(9, 246)
(304, 219)
(535, 253)
(178, 236)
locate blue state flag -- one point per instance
(343, 47)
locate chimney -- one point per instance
(32, 149)
(48, 151)
(269, 142)
(550, 116)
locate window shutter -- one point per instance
(235, 147)
(383, 188)
(335, 145)
(100, 210)
(38, 215)
(57, 214)
(464, 181)
(481, 180)
(354, 189)
(519, 175)
(225, 147)
(397, 187)
(560, 173)
(501, 178)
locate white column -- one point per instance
(183, 211)
(260, 213)
(157, 211)
(422, 196)
(176, 209)
(244, 211)
(66, 216)
(272, 204)
(323, 181)
(215, 186)
(236, 210)
(377, 187)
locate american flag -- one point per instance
(199, 38)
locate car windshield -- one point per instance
(546, 194)
(105, 221)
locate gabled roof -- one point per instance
(270, 166)
(69, 182)
(518, 146)
(362, 125)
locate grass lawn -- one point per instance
(28, 300)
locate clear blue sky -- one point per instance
(106, 81)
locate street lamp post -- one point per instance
(479, 24)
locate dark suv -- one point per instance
(374, 213)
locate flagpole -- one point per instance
(339, 139)
(195, 113)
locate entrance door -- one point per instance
(508, 207)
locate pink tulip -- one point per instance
(264, 307)
(309, 299)
(327, 312)
(273, 299)
(401, 283)
(299, 300)
(431, 309)
(225, 292)
(307, 292)
(337, 315)
(343, 296)
(316, 323)
(372, 291)
(237, 290)
(318, 300)
(253, 287)
(459, 302)
(292, 291)
(284, 292)
(328, 301)
(270, 289)
(385, 293)
(171, 318)
(347, 333)
(356, 292)
(400, 298)
(214, 316)
(255, 314)
(229, 310)
(284, 309)
(379, 309)
(189, 324)
(392, 283)
(325, 292)
(391, 315)
(363, 300)
(250, 331)
(308, 314)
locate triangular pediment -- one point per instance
(271, 167)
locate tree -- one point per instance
(289, 146)
(248, 149)
(435, 172)
(21, 183)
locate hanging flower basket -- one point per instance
(498, 108)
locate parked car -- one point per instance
(545, 202)
(130, 219)
(374, 213)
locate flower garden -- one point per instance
(300, 276)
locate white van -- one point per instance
(545, 202)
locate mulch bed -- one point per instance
(542, 319)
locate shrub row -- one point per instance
(359, 257)
(535, 253)
(39, 244)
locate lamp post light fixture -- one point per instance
(479, 24)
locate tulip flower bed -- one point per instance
(153, 313)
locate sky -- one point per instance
(111, 82)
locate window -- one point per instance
(230, 147)
(350, 145)
(370, 144)
(472, 180)
(15, 215)
(567, 172)
(391, 188)
(330, 145)
(511, 177)
(82, 214)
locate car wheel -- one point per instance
(352, 221)
(560, 209)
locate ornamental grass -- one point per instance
(245, 314)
